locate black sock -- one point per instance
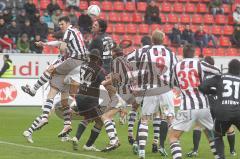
(219, 145)
(93, 136)
(196, 139)
(163, 132)
(81, 127)
(231, 140)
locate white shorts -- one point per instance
(58, 82)
(127, 98)
(185, 119)
(151, 105)
(167, 104)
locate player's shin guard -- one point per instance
(110, 131)
(231, 140)
(163, 132)
(81, 128)
(176, 150)
(42, 80)
(93, 136)
(156, 129)
(34, 124)
(196, 139)
(47, 108)
(142, 136)
(67, 116)
(131, 121)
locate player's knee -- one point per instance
(50, 69)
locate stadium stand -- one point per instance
(126, 20)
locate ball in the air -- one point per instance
(93, 10)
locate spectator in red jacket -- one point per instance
(6, 42)
(152, 13)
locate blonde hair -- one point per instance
(158, 37)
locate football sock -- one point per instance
(81, 128)
(42, 80)
(176, 150)
(163, 132)
(110, 131)
(156, 129)
(47, 108)
(34, 124)
(231, 140)
(142, 136)
(217, 148)
(93, 136)
(67, 116)
(196, 139)
(131, 121)
(115, 130)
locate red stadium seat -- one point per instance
(107, 6)
(220, 52)
(131, 29)
(36, 3)
(230, 20)
(137, 18)
(183, 1)
(119, 28)
(110, 28)
(208, 52)
(226, 8)
(197, 19)
(194, 1)
(163, 18)
(197, 51)
(44, 4)
(125, 17)
(114, 17)
(83, 5)
(95, 3)
(141, 6)
(221, 19)
(118, 6)
(228, 30)
(116, 38)
(194, 28)
(224, 41)
(190, 8)
(181, 27)
(155, 27)
(172, 18)
(168, 28)
(130, 6)
(185, 18)
(143, 28)
(166, 41)
(103, 15)
(137, 39)
(208, 19)
(202, 8)
(61, 4)
(178, 7)
(127, 37)
(166, 7)
(179, 51)
(207, 28)
(232, 52)
(217, 30)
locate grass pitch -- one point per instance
(14, 120)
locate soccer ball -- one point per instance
(93, 10)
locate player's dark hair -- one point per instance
(102, 25)
(209, 60)
(65, 19)
(188, 51)
(234, 67)
(146, 40)
(118, 51)
(6, 56)
(94, 55)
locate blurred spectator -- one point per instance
(7, 16)
(33, 47)
(56, 15)
(30, 9)
(187, 35)
(36, 18)
(23, 44)
(46, 17)
(228, 1)
(236, 15)
(6, 42)
(22, 17)
(2, 6)
(175, 35)
(41, 28)
(50, 31)
(53, 6)
(85, 23)
(152, 13)
(73, 4)
(202, 39)
(235, 39)
(7, 69)
(73, 17)
(3, 27)
(27, 28)
(14, 31)
(216, 7)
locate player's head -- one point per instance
(64, 23)
(99, 26)
(5, 57)
(157, 37)
(95, 55)
(117, 51)
(188, 51)
(234, 67)
(146, 40)
(209, 60)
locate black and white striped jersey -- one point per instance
(123, 69)
(156, 66)
(189, 74)
(75, 43)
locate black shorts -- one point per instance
(222, 127)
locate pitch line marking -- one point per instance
(50, 150)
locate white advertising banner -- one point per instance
(29, 65)
(12, 94)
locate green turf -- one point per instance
(14, 120)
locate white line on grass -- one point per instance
(50, 150)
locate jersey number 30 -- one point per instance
(189, 78)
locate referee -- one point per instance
(227, 110)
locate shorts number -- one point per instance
(189, 78)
